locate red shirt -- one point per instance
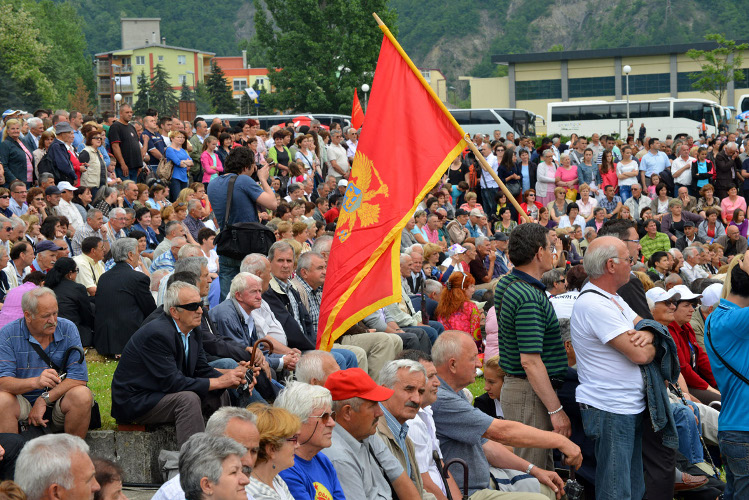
(331, 215)
(692, 359)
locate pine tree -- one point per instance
(81, 100)
(142, 97)
(203, 103)
(186, 94)
(221, 94)
(163, 98)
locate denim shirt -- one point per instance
(665, 366)
(589, 174)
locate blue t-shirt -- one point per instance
(730, 336)
(243, 202)
(176, 156)
(155, 141)
(313, 479)
(654, 163)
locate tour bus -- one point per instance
(487, 120)
(267, 121)
(662, 117)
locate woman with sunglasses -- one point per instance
(279, 440)
(312, 470)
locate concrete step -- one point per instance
(137, 452)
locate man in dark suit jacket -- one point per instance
(123, 300)
(163, 376)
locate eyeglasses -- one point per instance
(20, 192)
(38, 199)
(630, 260)
(325, 417)
(191, 306)
(633, 241)
(293, 439)
(5, 196)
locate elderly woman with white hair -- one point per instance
(566, 175)
(313, 473)
(210, 467)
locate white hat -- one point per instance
(476, 212)
(343, 182)
(711, 294)
(685, 293)
(66, 186)
(658, 294)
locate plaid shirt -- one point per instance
(294, 305)
(315, 297)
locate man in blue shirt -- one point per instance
(727, 343)
(28, 384)
(248, 196)
(654, 161)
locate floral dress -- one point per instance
(466, 319)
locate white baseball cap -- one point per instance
(711, 294)
(343, 182)
(685, 293)
(66, 186)
(658, 294)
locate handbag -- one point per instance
(236, 241)
(165, 169)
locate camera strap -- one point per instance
(720, 358)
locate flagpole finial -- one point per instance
(377, 18)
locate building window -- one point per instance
(658, 83)
(260, 82)
(240, 84)
(591, 87)
(140, 60)
(161, 58)
(744, 83)
(182, 79)
(181, 59)
(427, 75)
(538, 89)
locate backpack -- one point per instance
(165, 169)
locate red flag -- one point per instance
(408, 142)
(357, 114)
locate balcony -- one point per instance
(104, 67)
(105, 104)
(128, 87)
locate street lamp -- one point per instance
(117, 99)
(365, 89)
(627, 70)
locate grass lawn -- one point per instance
(100, 372)
(476, 388)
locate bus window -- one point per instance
(690, 110)
(597, 112)
(659, 109)
(619, 111)
(565, 113)
(460, 115)
(520, 122)
(707, 114)
(483, 117)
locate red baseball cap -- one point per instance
(355, 383)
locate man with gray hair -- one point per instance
(163, 375)
(194, 219)
(210, 458)
(614, 411)
(31, 350)
(314, 367)
(168, 259)
(188, 251)
(92, 227)
(296, 192)
(36, 128)
(56, 466)
(637, 201)
(337, 158)
(692, 270)
(408, 380)
(238, 424)
(173, 229)
(125, 295)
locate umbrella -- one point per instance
(743, 116)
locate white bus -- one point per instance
(487, 120)
(661, 117)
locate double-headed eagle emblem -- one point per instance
(358, 194)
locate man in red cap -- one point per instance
(362, 461)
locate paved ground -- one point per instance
(139, 493)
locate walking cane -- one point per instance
(465, 474)
(249, 374)
(443, 473)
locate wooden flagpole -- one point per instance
(484, 164)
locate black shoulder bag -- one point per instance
(236, 241)
(720, 358)
(95, 421)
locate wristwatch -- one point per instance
(45, 397)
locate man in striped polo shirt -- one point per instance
(530, 345)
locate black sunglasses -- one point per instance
(192, 306)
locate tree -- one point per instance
(325, 50)
(162, 96)
(719, 66)
(186, 94)
(203, 103)
(81, 100)
(142, 97)
(220, 92)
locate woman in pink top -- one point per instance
(566, 175)
(209, 160)
(730, 203)
(12, 306)
(492, 334)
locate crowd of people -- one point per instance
(590, 319)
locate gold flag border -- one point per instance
(396, 230)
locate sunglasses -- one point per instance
(38, 199)
(192, 306)
(325, 417)
(5, 196)
(293, 439)
(670, 302)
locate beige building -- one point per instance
(535, 80)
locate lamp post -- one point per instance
(365, 89)
(117, 99)
(627, 70)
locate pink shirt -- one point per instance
(567, 175)
(727, 206)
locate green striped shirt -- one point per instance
(527, 324)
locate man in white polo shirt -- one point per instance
(609, 353)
